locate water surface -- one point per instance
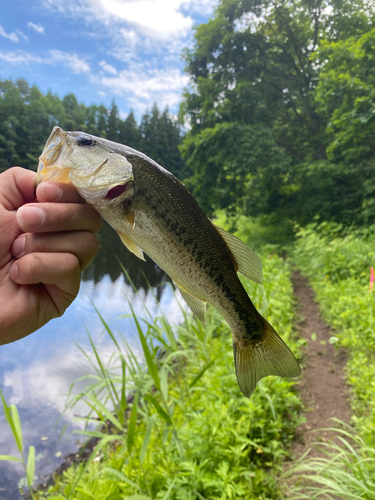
(37, 372)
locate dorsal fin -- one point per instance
(131, 246)
(196, 305)
(249, 264)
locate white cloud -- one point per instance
(20, 58)
(145, 87)
(46, 382)
(153, 18)
(160, 16)
(22, 35)
(73, 61)
(13, 37)
(202, 7)
(70, 60)
(108, 68)
(36, 27)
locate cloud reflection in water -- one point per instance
(37, 372)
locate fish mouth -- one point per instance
(47, 167)
(56, 165)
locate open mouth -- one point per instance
(54, 173)
(100, 176)
(47, 168)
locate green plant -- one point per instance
(173, 424)
(14, 423)
(346, 471)
(337, 262)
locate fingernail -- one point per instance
(13, 272)
(18, 246)
(31, 216)
(51, 191)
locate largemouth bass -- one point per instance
(153, 213)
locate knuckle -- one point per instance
(89, 248)
(66, 213)
(36, 242)
(72, 265)
(99, 222)
(92, 243)
(30, 267)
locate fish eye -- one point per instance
(85, 140)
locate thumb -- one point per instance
(17, 187)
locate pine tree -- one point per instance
(129, 132)
(113, 124)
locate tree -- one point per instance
(28, 116)
(160, 140)
(129, 133)
(255, 123)
(345, 96)
(113, 133)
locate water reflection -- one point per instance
(142, 274)
(36, 372)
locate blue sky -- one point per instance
(129, 50)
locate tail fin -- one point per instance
(269, 356)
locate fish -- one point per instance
(154, 214)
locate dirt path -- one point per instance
(322, 386)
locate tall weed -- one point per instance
(175, 425)
(345, 470)
(14, 423)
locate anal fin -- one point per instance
(131, 246)
(196, 305)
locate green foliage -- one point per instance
(263, 233)
(346, 470)
(28, 116)
(337, 263)
(346, 98)
(240, 166)
(160, 140)
(14, 423)
(185, 431)
(280, 109)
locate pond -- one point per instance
(37, 372)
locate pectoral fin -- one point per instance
(249, 264)
(131, 246)
(196, 305)
(129, 216)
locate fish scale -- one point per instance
(153, 212)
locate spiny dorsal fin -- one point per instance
(196, 305)
(268, 356)
(131, 246)
(249, 264)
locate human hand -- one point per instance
(47, 239)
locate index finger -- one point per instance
(58, 192)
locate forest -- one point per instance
(28, 116)
(278, 120)
(275, 139)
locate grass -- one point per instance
(346, 469)
(338, 268)
(337, 262)
(176, 426)
(14, 424)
